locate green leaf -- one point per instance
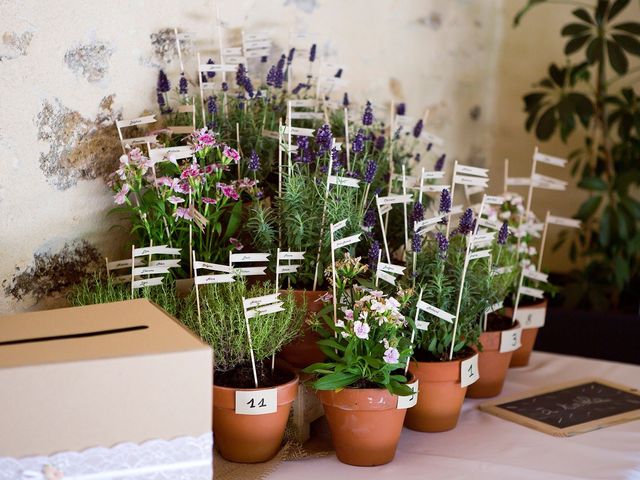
(621, 271)
(601, 9)
(530, 4)
(617, 58)
(583, 15)
(616, 8)
(630, 27)
(330, 342)
(234, 220)
(594, 51)
(575, 44)
(575, 29)
(627, 42)
(547, 124)
(334, 381)
(593, 183)
(589, 207)
(605, 227)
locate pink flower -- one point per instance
(182, 187)
(121, 196)
(175, 200)
(135, 155)
(164, 182)
(228, 191)
(391, 355)
(361, 329)
(209, 201)
(182, 212)
(191, 171)
(348, 314)
(236, 243)
(213, 167)
(325, 298)
(231, 153)
(246, 183)
(203, 139)
(124, 160)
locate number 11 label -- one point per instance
(510, 340)
(256, 402)
(469, 371)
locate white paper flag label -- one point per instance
(469, 371)
(434, 188)
(427, 222)
(157, 250)
(393, 199)
(339, 225)
(386, 277)
(385, 209)
(483, 222)
(298, 131)
(469, 170)
(427, 307)
(306, 103)
(479, 254)
(273, 308)
(261, 301)
(251, 271)
(557, 161)
(469, 180)
(391, 268)
(291, 255)
(136, 121)
(535, 275)
(408, 401)
(502, 270)
(216, 267)
(148, 282)
(209, 279)
(152, 270)
(422, 325)
(493, 200)
(117, 264)
(531, 317)
(518, 181)
(563, 221)
(510, 340)
(495, 307)
(344, 181)
(249, 257)
(532, 292)
(307, 115)
(431, 175)
(288, 268)
(343, 242)
(256, 402)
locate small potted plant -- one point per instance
(242, 434)
(359, 382)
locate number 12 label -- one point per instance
(469, 371)
(256, 402)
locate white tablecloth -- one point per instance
(487, 447)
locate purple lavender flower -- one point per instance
(292, 52)
(417, 157)
(183, 85)
(418, 212)
(297, 88)
(241, 74)
(370, 170)
(324, 139)
(336, 161)
(338, 73)
(417, 130)
(370, 218)
(440, 163)
(312, 53)
(367, 116)
(445, 201)
(503, 234)
(401, 108)
(416, 243)
(429, 146)
(345, 100)
(225, 86)
(163, 82)
(211, 74)
(358, 142)
(279, 75)
(374, 251)
(212, 106)
(264, 59)
(254, 162)
(466, 222)
(443, 244)
(161, 101)
(271, 76)
(379, 143)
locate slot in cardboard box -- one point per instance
(97, 376)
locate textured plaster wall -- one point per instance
(69, 68)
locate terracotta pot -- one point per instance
(440, 396)
(526, 316)
(492, 366)
(250, 438)
(365, 424)
(304, 351)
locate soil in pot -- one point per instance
(365, 424)
(251, 438)
(304, 350)
(492, 364)
(441, 397)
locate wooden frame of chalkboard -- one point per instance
(572, 404)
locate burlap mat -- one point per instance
(319, 445)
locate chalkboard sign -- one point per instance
(568, 409)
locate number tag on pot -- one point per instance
(510, 340)
(256, 402)
(531, 317)
(469, 371)
(408, 401)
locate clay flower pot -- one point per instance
(365, 424)
(527, 315)
(304, 351)
(250, 438)
(492, 365)
(440, 399)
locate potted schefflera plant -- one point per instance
(248, 420)
(362, 379)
